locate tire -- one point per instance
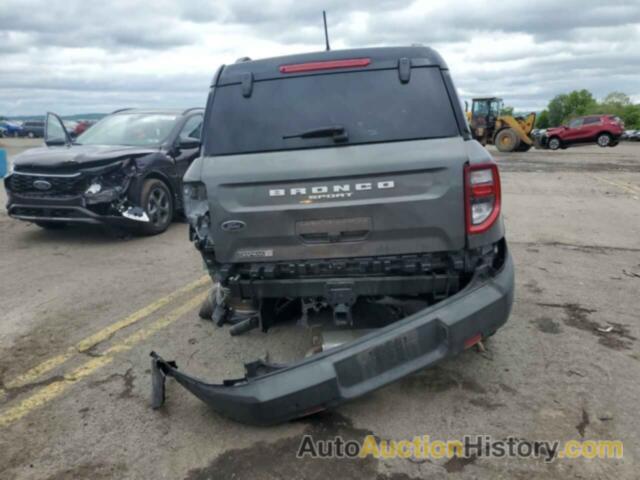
(31, 135)
(51, 225)
(554, 143)
(157, 202)
(208, 306)
(614, 143)
(507, 140)
(603, 140)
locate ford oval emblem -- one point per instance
(41, 185)
(233, 225)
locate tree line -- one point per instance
(566, 106)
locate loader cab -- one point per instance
(485, 111)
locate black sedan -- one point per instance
(125, 171)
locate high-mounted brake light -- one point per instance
(327, 65)
(482, 196)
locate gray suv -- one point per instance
(344, 189)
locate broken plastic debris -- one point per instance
(94, 188)
(136, 213)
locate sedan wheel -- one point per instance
(554, 143)
(604, 139)
(158, 205)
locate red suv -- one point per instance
(605, 130)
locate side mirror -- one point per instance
(55, 133)
(188, 143)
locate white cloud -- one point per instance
(77, 56)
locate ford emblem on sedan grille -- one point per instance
(233, 225)
(42, 185)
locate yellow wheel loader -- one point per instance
(506, 132)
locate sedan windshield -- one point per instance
(134, 129)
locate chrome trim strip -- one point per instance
(62, 175)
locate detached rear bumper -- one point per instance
(271, 394)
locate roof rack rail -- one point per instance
(121, 110)
(243, 59)
(192, 109)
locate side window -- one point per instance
(480, 108)
(591, 120)
(575, 123)
(192, 128)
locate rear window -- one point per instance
(372, 106)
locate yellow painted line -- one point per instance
(36, 372)
(47, 393)
(624, 186)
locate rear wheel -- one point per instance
(554, 143)
(208, 306)
(507, 140)
(157, 202)
(604, 139)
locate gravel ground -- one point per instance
(566, 365)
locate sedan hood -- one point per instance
(75, 156)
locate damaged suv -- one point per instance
(125, 171)
(343, 189)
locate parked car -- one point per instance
(70, 126)
(125, 171)
(82, 125)
(11, 129)
(605, 130)
(635, 137)
(344, 188)
(3, 131)
(33, 129)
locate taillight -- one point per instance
(482, 196)
(326, 65)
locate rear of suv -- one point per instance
(604, 130)
(343, 189)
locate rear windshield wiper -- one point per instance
(336, 131)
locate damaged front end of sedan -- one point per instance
(125, 171)
(102, 191)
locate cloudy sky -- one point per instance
(75, 56)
